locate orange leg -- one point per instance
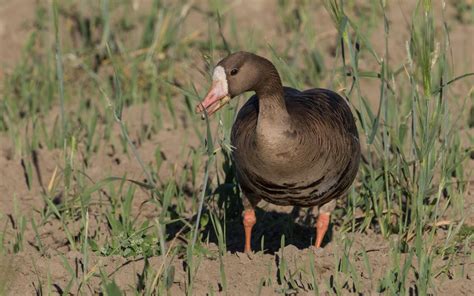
(249, 222)
(321, 228)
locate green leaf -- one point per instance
(111, 289)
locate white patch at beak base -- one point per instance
(218, 95)
(219, 75)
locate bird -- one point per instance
(290, 147)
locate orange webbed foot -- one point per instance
(249, 221)
(321, 228)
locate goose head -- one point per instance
(237, 73)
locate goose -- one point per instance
(290, 147)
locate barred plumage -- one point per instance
(316, 184)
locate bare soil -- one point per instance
(25, 270)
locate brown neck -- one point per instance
(273, 118)
(270, 94)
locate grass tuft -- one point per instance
(123, 79)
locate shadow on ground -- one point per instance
(267, 234)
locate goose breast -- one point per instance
(321, 154)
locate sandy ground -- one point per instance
(244, 274)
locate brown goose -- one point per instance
(291, 147)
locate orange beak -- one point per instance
(215, 99)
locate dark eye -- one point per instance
(234, 71)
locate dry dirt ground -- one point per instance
(25, 269)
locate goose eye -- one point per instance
(234, 71)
